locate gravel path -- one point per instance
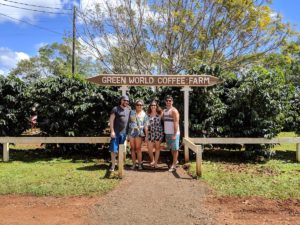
(154, 197)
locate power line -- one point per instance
(35, 10)
(42, 28)
(39, 6)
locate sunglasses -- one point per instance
(125, 100)
(168, 100)
(138, 105)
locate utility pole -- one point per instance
(74, 40)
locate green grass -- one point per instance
(55, 177)
(286, 147)
(275, 179)
(278, 178)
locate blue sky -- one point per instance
(19, 40)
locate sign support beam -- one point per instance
(186, 93)
(124, 89)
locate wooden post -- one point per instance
(199, 160)
(186, 154)
(298, 152)
(124, 89)
(5, 152)
(186, 90)
(121, 160)
(125, 151)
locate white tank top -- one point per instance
(169, 122)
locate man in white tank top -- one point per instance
(171, 126)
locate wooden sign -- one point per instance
(155, 80)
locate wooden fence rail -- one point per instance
(63, 140)
(195, 144)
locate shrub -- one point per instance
(72, 107)
(14, 114)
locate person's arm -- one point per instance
(128, 121)
(146, 127)
(111, 125)
(175, 115)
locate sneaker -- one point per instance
(140, 167)
(172, 169)
(111, 169)
(132, 167)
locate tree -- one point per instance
(164, 36)
(288, 60)
(56, 60)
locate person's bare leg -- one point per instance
(175, 158)
(157, 152)
(150, 152)
(133, 151)
(113, 159)
(138, 146)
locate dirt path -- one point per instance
(154, 197)
(150, 197)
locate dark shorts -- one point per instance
(115, 142)
(172, 144)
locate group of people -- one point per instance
(150, 126)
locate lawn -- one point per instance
(34, 172)
(278, 178)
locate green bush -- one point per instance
(256, 104)
(72, 107)
(14, 114)
(296, 110)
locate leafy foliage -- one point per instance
(296, 110)
(55, 60)
(166, 37)
(144, 93)
(256, 104)
(72, 107)
(14, 116)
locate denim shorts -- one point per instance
(115, 142)
(172, 144)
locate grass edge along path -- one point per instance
(275, 179)
(56, 177)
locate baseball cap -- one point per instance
(124, 97)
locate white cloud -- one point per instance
(102, 44)
(39, 45)
(9, 59)
(88, 7)
(27, 15)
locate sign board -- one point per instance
(155, 80)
